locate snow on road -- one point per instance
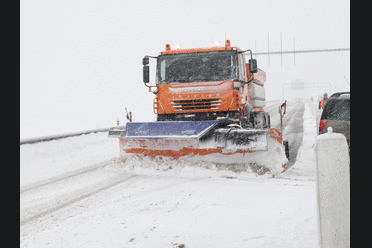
(75, 192)
(45, 160)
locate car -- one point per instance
(336, 114)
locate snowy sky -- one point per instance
(81, 61)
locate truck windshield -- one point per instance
(197, 67)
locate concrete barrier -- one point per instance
(333, 189)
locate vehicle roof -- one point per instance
(195, 50)
(341, 95)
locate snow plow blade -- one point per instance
(204, 141)
(206, 135)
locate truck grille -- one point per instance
(196, 104)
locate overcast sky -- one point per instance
(81, 61)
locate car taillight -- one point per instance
(322, 124)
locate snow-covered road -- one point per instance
(75, 192)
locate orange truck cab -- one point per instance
(210, 104)
(207, 84)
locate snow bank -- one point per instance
(304, 168)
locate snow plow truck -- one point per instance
(209, 105)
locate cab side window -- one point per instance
(241, 67)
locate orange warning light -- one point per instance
(227, 43)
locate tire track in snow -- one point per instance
(66, 175)
(165, 187)
(38, 211)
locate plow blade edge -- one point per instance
(168, 130)
(176, 139)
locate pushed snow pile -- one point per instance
(256, 163)
(259, 161)
(188, 166)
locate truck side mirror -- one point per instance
(145, 60)
(146, 73)
(253, 65)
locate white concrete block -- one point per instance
(333, 189)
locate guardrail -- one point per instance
(62, 136)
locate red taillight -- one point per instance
(322, 124)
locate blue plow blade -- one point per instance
(168, 130)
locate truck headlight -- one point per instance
(154, 89)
